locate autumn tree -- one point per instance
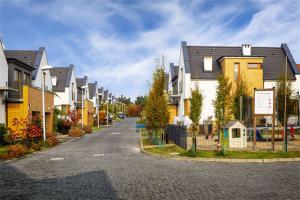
(222, 102)
(241, 90)
(157, 114)
(281, 83)
(195, 113)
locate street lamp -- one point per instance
(82, 93)
(44, 69)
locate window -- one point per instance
(236, 71)
(26, 78)
(236, 133)
(17, 76)
(207, 63)
(253, 65)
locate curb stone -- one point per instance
(223, 160)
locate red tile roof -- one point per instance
(298, 65)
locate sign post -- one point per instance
(264, 105)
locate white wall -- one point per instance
(295, 85)
(3, 80)
(73, 80)
(208, 89)
(38, 80)
(62, 98)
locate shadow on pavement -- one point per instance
(91, 185)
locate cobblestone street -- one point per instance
(109, 165)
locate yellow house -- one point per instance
(25, 101)
(200, 66)
(248, 69)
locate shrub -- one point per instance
(87, 129)
(63, 126)
(52, 140)
(33, 133)
(3, 133)
(14, 151)
(37, 146)
(75, 131)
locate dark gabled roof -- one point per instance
(92, 89)
(110, 95)
(273, 65)
(166, 81)
(30, 57)
(19, 63)
(174, 70)
(105, 94)
(63, 75)
(100, 90)
(81, 81)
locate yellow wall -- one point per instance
(187, 107)
(173, 113)
(253, 77)
(88, 113)
(32, 102)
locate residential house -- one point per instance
(93, 97)
(200, 66)
(3, 84)
(83, 97)
(26, 99)
(36, 59)
(65, 88)
(173, 92)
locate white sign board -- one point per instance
(263, 102)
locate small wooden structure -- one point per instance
(236, 133)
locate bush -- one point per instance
(87, 129)
(3, 133)
(14, 151)
(75, 131)
(52, 140)
(63, 126)
(37, 146)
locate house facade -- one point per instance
(65, 88)
(200, 66)
(25, 100)
(3, 84)
(83, 97)
(36, 59)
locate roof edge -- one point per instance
(185, 54)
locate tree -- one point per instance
(195, 113)
(157, 114)
(222, 103)
(141, 100)
(280, 93)
(124, 99)
(241, 90)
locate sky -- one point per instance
(117, 42)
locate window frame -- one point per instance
(258, 65)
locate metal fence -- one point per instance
(177, 134)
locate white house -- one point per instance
(65, 87)
(36, 59)
(200, 66)
(3, 84)
(82, 82)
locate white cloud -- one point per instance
(124, 65)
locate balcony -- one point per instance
(16, 94)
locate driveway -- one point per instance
(109, 165)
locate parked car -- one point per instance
(121, 115)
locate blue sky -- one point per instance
(116, 42)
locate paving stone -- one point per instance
(125, 174)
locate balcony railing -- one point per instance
(15, 95)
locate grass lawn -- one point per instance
(165, 150)
(95, 128)
(215, 154)
(2, 150)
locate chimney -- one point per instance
(246, 48)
